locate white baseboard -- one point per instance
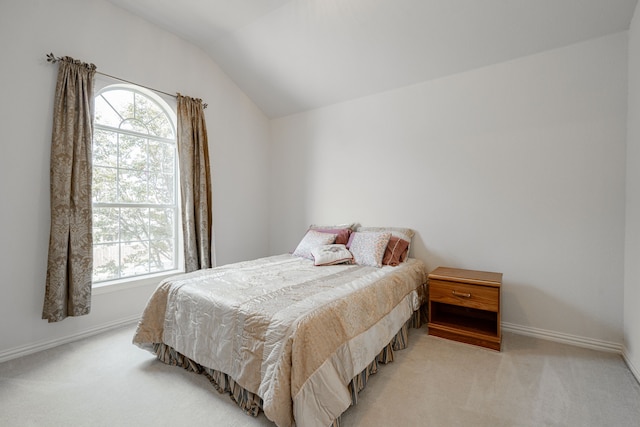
(563, 338)
(634, 370)
(43, 345)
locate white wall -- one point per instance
(125, 46)
(632, 249)
(517, 167)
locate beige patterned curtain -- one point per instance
(195, 184)
(69, 269)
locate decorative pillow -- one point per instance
(342, 234)
(396, 251)
(350, 240)
(368, 247)
(331, 254)
(400, 232)
(311, 240)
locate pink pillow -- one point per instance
(396, 252)
(342, 234)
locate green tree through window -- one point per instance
(135, 210)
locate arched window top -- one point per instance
(129, 108)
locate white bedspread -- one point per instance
(290, 332)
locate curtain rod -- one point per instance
(53, 59)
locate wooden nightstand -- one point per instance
(464, 305)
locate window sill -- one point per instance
(118, 285)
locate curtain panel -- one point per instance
(195, 184)
(70, 262)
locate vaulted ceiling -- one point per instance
(295, 55)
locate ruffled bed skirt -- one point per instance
(251, 403)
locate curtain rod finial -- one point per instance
(52, 58)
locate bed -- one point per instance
(284, 335)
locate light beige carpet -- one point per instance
(107, 381)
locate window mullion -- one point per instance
(134, 133)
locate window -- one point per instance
(135, 184)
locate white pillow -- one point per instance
(368, 247)
(399, 232)
(311, 240)
(331, 254)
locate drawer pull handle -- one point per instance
(461, 294)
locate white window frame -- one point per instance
(169, 106)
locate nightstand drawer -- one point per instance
(461, 294)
